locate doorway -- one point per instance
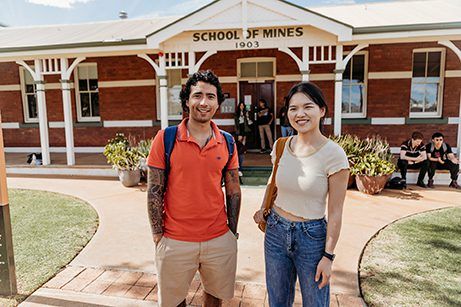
(250, 94)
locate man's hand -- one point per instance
(441, 161)
(157, 238)
(323, 271)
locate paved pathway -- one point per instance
(117, 268)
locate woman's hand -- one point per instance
(258, 217)
(324, 271)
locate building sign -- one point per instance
(252, 39)
(228, 105)
(251, 34)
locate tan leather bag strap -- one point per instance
(280, 146)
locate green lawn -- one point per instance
(49, 230)
(415, 262)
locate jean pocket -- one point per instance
(271, 221)
(316, 232)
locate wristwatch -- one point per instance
(329, 256)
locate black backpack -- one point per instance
(396, 183)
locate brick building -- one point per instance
(386, 68)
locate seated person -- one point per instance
(413, 156)
(440, 157)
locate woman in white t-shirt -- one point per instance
(298, 241)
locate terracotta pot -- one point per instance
(351, 181)
(371, 184)
(129, 178)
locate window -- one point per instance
(426, 83)
(354, 87)
(262, 68)
(174, 77)
(87, 92)
(29, 96)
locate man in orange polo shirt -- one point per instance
(193, 228)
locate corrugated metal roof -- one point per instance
(371, 18)
(96, 32)
(393, 13)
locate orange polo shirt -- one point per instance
(194, 199)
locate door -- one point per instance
(254, 91)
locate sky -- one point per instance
(42, 12)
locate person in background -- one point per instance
(440, 157)
(413, 156)
(285, 127)
(242, 122)
(265, 118)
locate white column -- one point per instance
(42, 115)
(339, 69)
(191, 55)
(305, 63)
(66, 102)
(163, 92)
(305, 75)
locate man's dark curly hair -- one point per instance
(206, 76)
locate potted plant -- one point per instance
(144, 149)
(125, 159)
(374, 166)
(351, 145)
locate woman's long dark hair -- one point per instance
(239, 111)
(313, 92)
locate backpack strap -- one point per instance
(169, 138)
(230, 142)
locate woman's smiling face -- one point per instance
(304, 114)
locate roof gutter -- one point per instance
(404, 28)
(76, 45)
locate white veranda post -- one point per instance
(37, 75)
(160, 71)
(66, 71)
(339, 69)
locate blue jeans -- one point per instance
(294, 249)
(286, 131)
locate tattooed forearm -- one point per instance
(233, 199)
(155, 191)
(233, 211)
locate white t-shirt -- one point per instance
(302, 182)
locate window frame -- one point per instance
(157, 94)
(438, 113)
(256, 60)
(81, 118)
(25, 105)
(362, 114)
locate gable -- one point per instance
(248, 14)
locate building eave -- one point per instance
(405, 28)
(75, 45)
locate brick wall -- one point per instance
(386, 97)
